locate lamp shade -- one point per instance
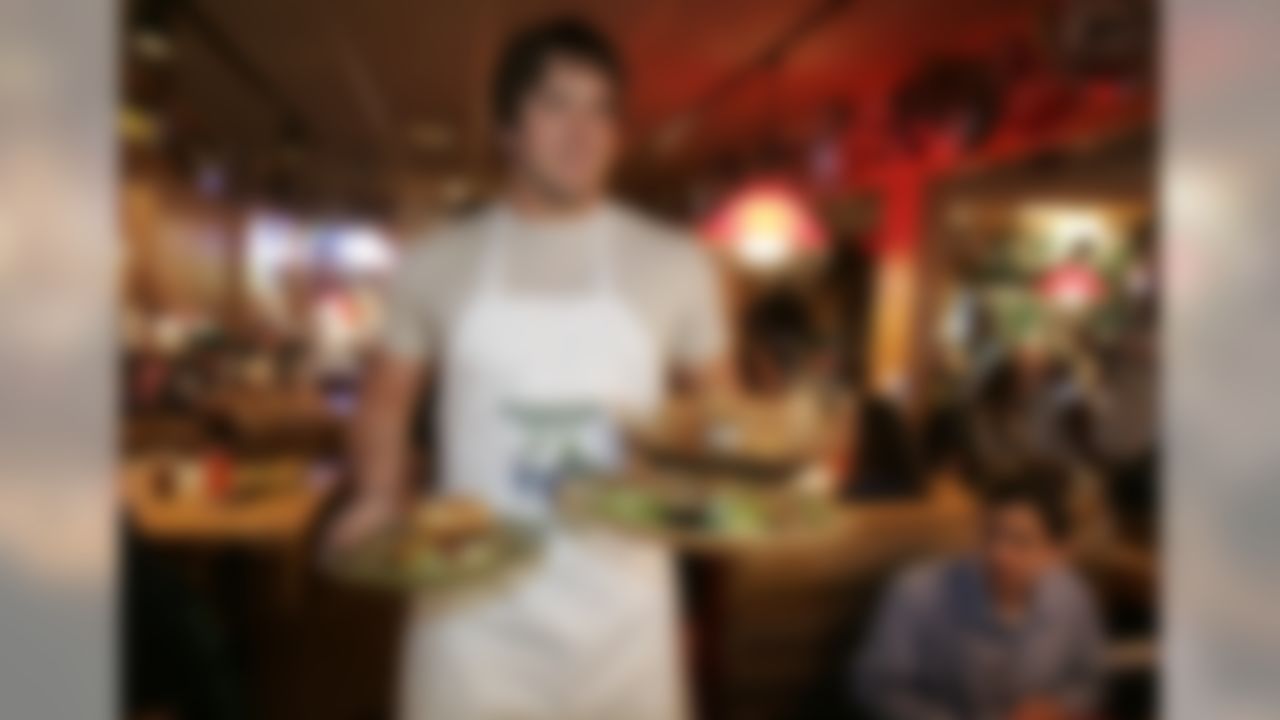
(1072, 287)
(765, 225)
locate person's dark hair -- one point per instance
(528, 53)
(999, 392)
(889, 465)
(1038, 494)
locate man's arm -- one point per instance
(379, 444)
(887, 676)
(381, 432)
(392, 386)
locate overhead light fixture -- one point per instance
(765, 226)
(1072, 287)
(1071, 228)
(763, 248)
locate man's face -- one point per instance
(1017, 548)
(564, 137)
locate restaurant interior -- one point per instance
(934, 220)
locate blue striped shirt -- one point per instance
(939, 649)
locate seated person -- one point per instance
(888, 465)
(1007, 633)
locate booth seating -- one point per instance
(791, 618)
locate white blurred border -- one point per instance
(58, 262)
(1221, 189)
(57, 274)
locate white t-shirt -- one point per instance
(661, 273)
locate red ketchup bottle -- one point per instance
(217, 474)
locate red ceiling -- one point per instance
(363, 73)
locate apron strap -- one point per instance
(493, 268)
(602, 246)
(493, 258)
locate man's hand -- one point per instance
(379, 448)
(359, 519)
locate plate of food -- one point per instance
(754, 442)
(696, 515)
(443, 545)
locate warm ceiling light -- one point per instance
(763, 249)
(1072, 287)
(765, 226)
(1070, 229)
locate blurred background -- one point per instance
(937, 212)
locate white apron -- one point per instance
(590, 632)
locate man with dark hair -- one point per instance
(526, 57)
(1008, 633)
(545, 314)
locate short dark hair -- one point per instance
(1041, 495)
(529, 51)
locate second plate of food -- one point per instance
(695, 515)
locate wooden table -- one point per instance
(278, 523)
(282, 517)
